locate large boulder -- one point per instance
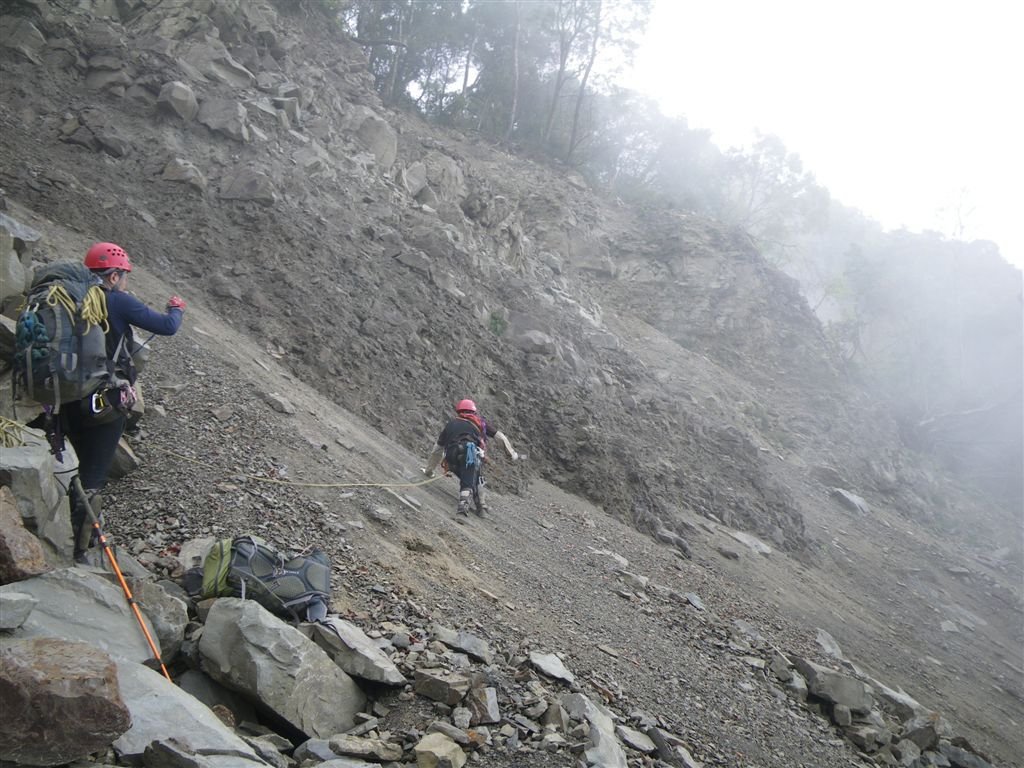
(211, 58)
(61, 701)
(445, 177)
(13, 275)
(834, 686)
(374, 133)
(15, 608)
(31, 472)
(225, 116)
(603, 748)
(248, 184)
(77, 605)
(161, 710)
(436, 750)
(353, 651)
(247, 649)
(21, 554)
(178, 98)
(20, 35)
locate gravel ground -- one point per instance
(540, 572)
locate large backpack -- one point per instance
(468, 449)
(298, 586)
(60, 336)
(463, 453)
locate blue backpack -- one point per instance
(60, 347)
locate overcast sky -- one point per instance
(901, 108)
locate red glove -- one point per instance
(176, 302)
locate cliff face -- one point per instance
(649, 361)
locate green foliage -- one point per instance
(768, 193)
(524, 72)
(640, 154)
(509, 69)
(498, 324)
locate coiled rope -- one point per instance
(13, 434)
(94, 305)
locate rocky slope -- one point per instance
(652, 364)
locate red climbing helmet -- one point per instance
(107, 256)
(465, 406)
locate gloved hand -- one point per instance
(427, 472)
(515, 456)
(176, 302)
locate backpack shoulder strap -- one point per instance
(477, 424)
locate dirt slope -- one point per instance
(538, 573)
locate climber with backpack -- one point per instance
(461, 449)
(73, 355)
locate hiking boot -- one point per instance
(464, 499)
(481, 503)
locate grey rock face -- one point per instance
(247, 649)
(552, 666)
(161, 710)
(178, 98)
(77, 605)
(29, 472)
(353, 651)
(21, 554)
(834, 686)
(603, 749)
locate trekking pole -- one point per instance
(105, 546)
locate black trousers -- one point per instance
(455, 458)
(468, 476)
(95, 444)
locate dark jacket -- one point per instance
(460, 429)
(125, 310)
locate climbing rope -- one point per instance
(13, 434)
(94, 305)
(279, 481)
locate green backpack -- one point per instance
(297, 587)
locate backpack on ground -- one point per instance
(60, 336)
(297, 586)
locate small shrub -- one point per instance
(498, 324)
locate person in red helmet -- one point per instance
(96, 425)
(462, 444)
